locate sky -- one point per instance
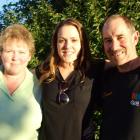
(3, 2)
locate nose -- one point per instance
(67, 44)
(115, 44)
(15, 55)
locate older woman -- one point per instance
(20, 113)
(67, 80)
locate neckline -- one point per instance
(130, 66)
(69, 78)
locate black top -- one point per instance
(121, 105)
(64, 121)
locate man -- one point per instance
(121, 88)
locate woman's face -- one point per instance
(15, 56)
(68, 43)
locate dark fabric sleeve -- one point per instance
(97, 68)
(89, 126)
(98, 73)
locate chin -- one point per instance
(68, 61)
(119, 63)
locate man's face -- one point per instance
(119, 41)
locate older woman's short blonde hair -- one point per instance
(19, 32)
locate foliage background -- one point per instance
(41, 17)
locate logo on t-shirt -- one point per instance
(135, 99)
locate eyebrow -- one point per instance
(106, 38)
(121, 34)
(73, 37)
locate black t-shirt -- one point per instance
(64, 121)
(121, 105)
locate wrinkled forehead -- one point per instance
(118, 23)
(114, 23)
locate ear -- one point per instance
(136, 37)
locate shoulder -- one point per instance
(98, 62)
(37, 89)
(111, 73)
(96, 66)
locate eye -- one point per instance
(74, 39)
(61, 40)
(8, 51)
(121, 37)
(22, 52)
(107, 40)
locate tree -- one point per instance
(41, 16)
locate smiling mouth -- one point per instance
(67, 53)
(117, 53)
(15, 64)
